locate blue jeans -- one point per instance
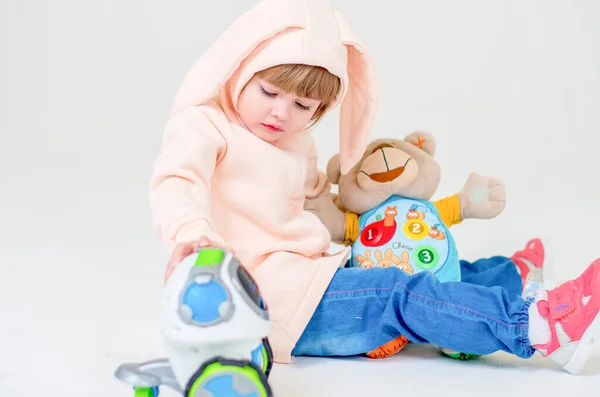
(364, 308)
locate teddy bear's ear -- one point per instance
(333, 169)
(423, 140)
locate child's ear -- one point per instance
(333, 169)
(423, 140)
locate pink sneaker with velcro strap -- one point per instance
(572, 313)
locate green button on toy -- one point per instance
(209, 257)
(426, 257)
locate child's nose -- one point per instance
(280, 111)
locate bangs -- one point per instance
(306, 81)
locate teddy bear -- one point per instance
(383, 210)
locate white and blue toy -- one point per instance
(214, 324)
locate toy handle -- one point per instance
(182, 250)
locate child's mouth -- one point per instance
(272, 128)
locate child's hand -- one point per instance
(182, 250)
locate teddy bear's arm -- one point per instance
(449, 210)
(351, 233)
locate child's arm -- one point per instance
(180, 183)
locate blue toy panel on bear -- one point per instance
(407, 234)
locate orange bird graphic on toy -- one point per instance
(435, 233)
(380, 232)
(414, 213)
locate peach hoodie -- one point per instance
(214, 178)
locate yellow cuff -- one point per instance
(351, 233)
(449, 210)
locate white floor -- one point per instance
(79, 284)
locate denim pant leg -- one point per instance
(365, 308)
(497, 271)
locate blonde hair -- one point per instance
(306, 81)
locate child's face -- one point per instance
(270, 113)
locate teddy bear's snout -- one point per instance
(385, 164)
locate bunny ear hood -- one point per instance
(278, 32)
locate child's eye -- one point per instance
(267, 93)
(301, 106)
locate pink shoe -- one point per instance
(530, 262)
(572, 313)
(530, 258)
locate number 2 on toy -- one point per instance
(416, 228)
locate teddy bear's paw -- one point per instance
(482, 197)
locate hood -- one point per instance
(276, 32)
